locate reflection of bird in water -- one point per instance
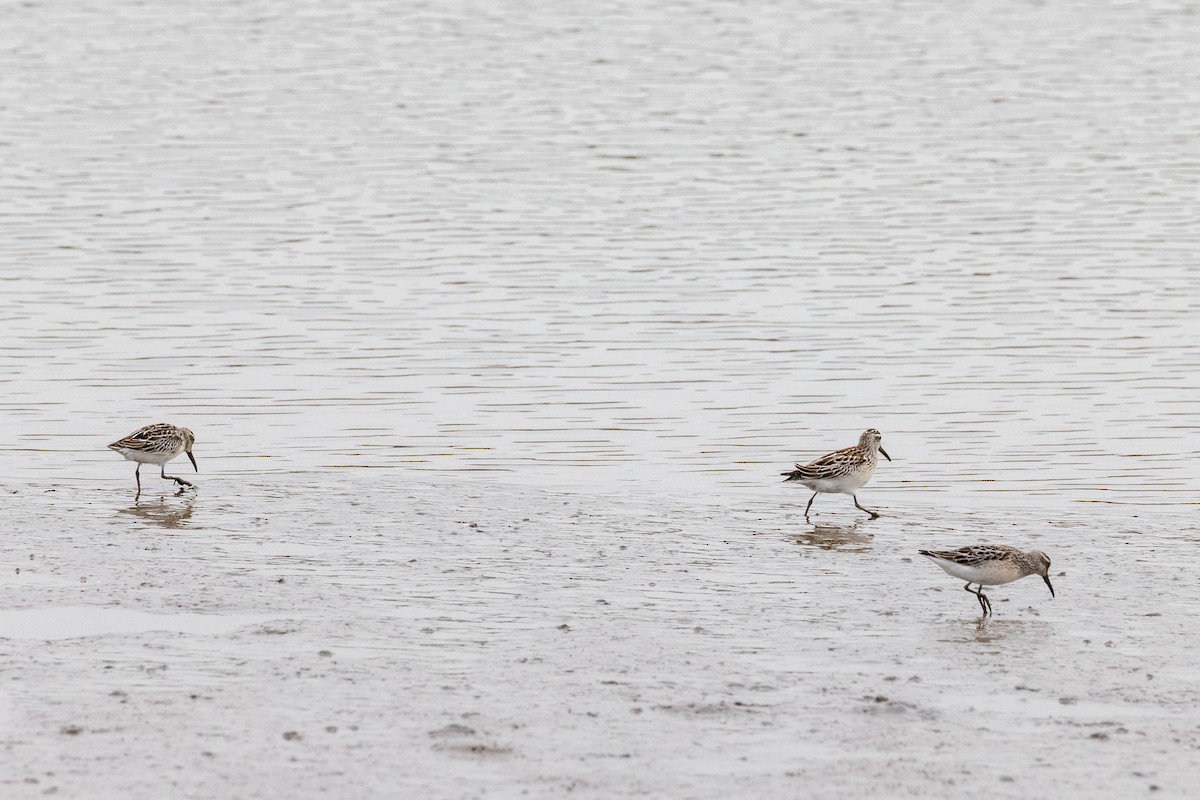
(990, 565)
(844, 471)
(833, 537)
(161, 514)
(156, 444)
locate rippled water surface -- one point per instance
(617, 244)
(652, 250)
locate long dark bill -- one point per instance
(1047, 580)
(193, 458)
(885, 455)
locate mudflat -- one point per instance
(355, 637)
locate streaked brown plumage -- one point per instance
(990, 565)
(843, 471)
(156, 444)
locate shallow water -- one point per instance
(77, 622)
(404, 268)
(638, 247)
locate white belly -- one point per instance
(143, 457)
(983, 574)
(847, 484)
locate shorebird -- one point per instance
(990, 565)
(842, 471)
(156, 444)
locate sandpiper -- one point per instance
(990, 565)
(841, 472)
(156, 444)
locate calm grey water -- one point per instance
(607, 244)
(643, 253)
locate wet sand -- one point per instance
(496, 326)
(371, 637)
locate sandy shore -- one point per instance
(349, 637)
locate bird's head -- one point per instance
(871, 439)
(189, 439)
(1041, 564)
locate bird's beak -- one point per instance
(1046, 578)
(885, 455)
(193, 458)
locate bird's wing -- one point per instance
(830, 463)
(972, 555)
(138, 439)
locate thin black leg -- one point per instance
(137, 476)
(874, 515)
(807, 507)
(180, 481)
(984, 603)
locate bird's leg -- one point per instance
(807, 507)
(874, 515)
(137, 476)
(180, 481)
(979, 595)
